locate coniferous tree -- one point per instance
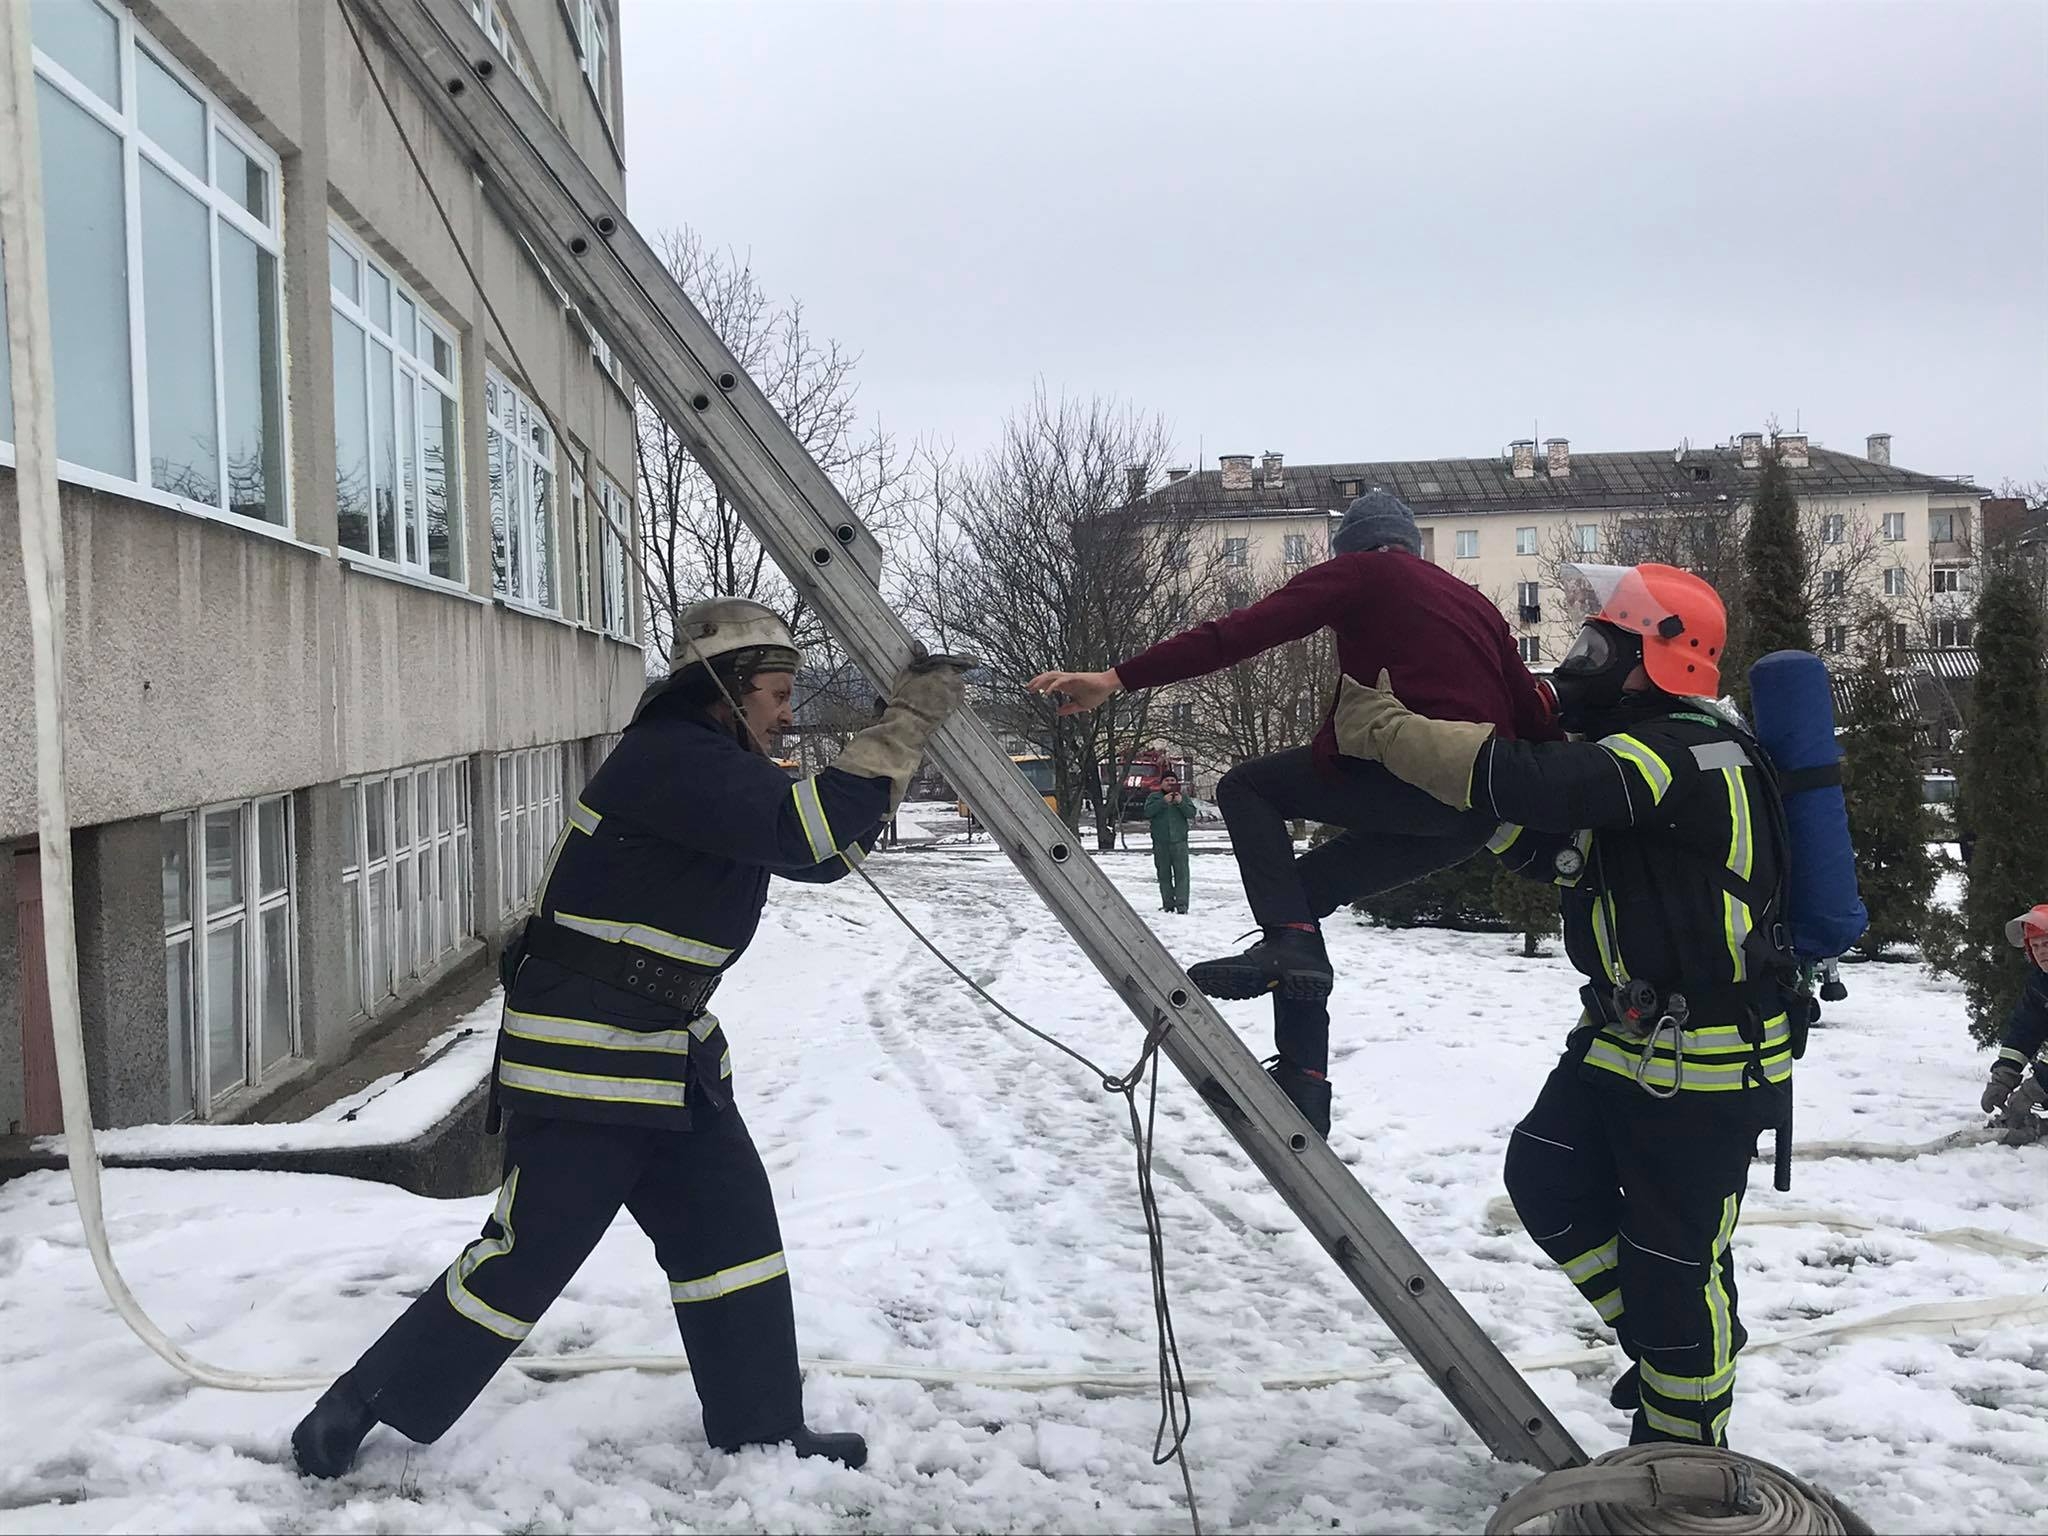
(2002, 788)
(1771, 611)
(1887, 822)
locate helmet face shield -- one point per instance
(1593, 652)
(1678, 619)
(1625, 600)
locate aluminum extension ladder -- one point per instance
(535, 179)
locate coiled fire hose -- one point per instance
(1677, 1490)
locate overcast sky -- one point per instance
(1380, 231)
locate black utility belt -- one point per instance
(671, 983)
(1637, 1006)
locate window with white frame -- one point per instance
(1895, 581)
(1895, 637)
(406, 886)
(1894, 527)
(1294, 548)
(1183, 716)
(1954, 634)
(594, 48)
(1237, 553)
(1944, 527)
(1531, 647)
(165, 272)
(613, 510)
(522, 471)
(529, 820)
(1834, 583)
(1525, 541)
(1950, 578)
(230, 961)
(1588, 537)
(579, 542)
(607, 743)
(1468, 543)
(1832, 527)
(1836, 639)
(491, 17)
(397, 429)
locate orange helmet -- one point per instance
(1679, 616)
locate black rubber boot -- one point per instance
(1289, 961)
(325, 1443)
(1627, 1393)
(848, 1449)
(1307, 1091)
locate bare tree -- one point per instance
(694, 544)
(1041, 558)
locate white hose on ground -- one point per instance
(1500, 1211)
(1677, 1490)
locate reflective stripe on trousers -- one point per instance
(726, 1281)
(474, 1257)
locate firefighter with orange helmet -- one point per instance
(1658, 822)
(2026, 1034)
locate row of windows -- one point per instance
(1294, 550)
(166, 303)
(1943, 527)
(231, 900)
(1943, 634)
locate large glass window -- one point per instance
(529, 820)
(579, 525)
(594, 46)
(615, 514)
(164, 270)
(230, 959)
(522, 453)
(406, 886)
(398, 460)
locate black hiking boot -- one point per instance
(1307, 1091)
(1289, 961)
(1627, 1391)
(848, 1449)
(325, 1443)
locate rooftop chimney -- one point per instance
(1134, 482)
(1792, 450)
(1177, 472)
(1271, 464)
(1523, 451)
(1557, 452)
(1752, 450)
(1237, 471)
(1878, 448)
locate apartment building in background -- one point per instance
(346, 627)
(1901, 539)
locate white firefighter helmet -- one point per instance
(720, 645)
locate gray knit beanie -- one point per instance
(1377, 520)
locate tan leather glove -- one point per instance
(920, 699)
(1436, 756)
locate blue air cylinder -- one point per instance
(1793, 712)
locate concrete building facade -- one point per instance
(345, 626)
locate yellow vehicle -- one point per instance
(790, 766)
(1036, 767)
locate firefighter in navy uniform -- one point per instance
(614, 1078)
(1661, 824)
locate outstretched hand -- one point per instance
(1082, 691)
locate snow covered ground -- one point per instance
(957, 1197)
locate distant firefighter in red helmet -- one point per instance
(2011, 1093)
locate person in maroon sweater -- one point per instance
(1448, 654)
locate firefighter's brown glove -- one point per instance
(923, 695)
(1436, 756)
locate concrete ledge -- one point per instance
(453, 1159)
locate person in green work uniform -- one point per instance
(1169, 812)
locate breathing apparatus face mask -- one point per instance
(1589, 680)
